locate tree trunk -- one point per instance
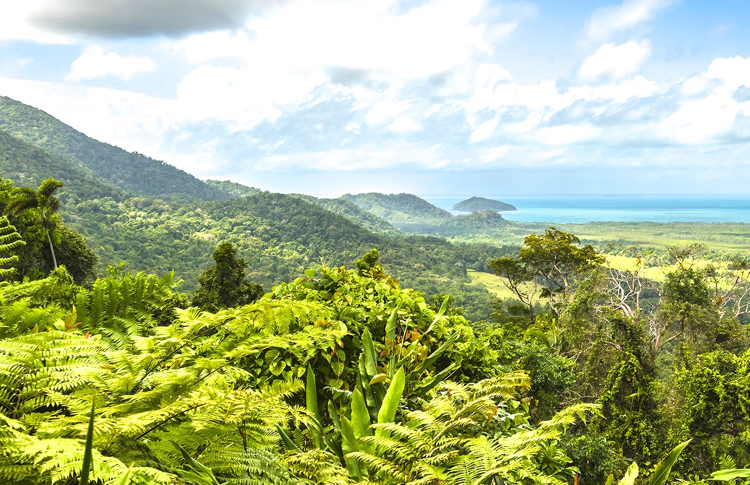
(52, 250)
(49, 239)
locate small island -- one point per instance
(481, 204)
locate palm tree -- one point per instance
(42, 199)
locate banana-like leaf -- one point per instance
(349, 444)
(311, 399)
(436, 379)
(435, 355)
(730, 474)
(334, 446)
(371, 358)
(387, 412)
(661, 472)
(630, 475)
(288, 443)
(88, 453)
(334, 415)
(198, 472)
(360, 416)
(539, 335)
(438, 316)
(126, 478)
(610, 480)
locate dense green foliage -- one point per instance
(354, 213)
(225, 284)
(233, 188)
(474, 204)
(218, 398)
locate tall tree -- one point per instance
(547, 266)
(26, 198)
(225, 284)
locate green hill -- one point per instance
(28, 165)
(398, 208)
(233, 188)
(354, 213)
(130, 172)
(481, 204)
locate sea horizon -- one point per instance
(577, 209)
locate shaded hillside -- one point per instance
(397, 208)
(233, 188)
(478, 225)
(131, 172)
(28, 165)
(481, 204)
(352, 212)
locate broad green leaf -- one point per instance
(334, 415)
(310, 273)
(661, 472)
(438, 316)
(391, 400)
(378, 378)
(371, 358)
(630, 475)
(199, 472)
(730, 474)
(271, 356)
(360, 415)
(311, 399)
(126, 478)
(349, 445)
(288, 443)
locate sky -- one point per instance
(431, 97)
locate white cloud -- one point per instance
(484, 130)
(609, 20)
(94, 63)
(369, 35)
(384, 111)
(611, 60)
(734, 71)
(405, 123)
(243, 98)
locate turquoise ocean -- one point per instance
(563, 209)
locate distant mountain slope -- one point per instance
(233, 188)
(481, 204)
(131, 172)
(353, 213)
(397, 208)
(28, 165)
(479, 225)
(278, 235)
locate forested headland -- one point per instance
(157, 329)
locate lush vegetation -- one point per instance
(268, 342)
(398, 208)
(474, 204)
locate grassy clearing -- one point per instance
(493, 284)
